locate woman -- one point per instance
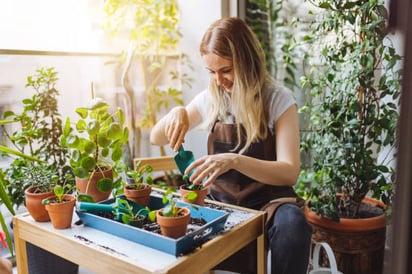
(253, 145)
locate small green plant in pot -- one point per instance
(193, 193)
(173, 219)
(127, 214)
(60, 206)
(95, 146)
(139, 187)
(41, 179)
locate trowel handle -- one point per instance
(93, 207)
(181, 150)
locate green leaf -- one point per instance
(81, 125)
(81, 172)
(115, 132)
(117, 154)
(81, 197)
(191, 196)
(82, 112)
(93, 127)
(105, 184)
(89, 147)
(102, 140)
(88, 163)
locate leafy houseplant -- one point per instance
(31, 138)
(354, 112)
(139, 190)
(34, 136)
(173, 220)
(354, 85)
(95, 147)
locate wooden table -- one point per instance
(105, 253)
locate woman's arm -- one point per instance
(172, 127)
(283, 171)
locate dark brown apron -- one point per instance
(235, 188)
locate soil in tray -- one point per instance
(195, 223)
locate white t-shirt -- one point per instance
(279, 100)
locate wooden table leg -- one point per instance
(20, 248)
(261, 255)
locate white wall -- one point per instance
(77, 72)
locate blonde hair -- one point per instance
(231, 38)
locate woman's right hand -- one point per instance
(176, 126)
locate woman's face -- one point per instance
(220, 69)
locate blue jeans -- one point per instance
(289, 239)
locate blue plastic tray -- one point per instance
(215, 221)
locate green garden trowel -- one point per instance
(183, 159)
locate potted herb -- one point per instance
(60, 206)
(96, 148)
(354, 85)
(193, 193)
(139, 187)
(43, 178)
(172, 219)
(128, 215)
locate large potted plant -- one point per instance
(32, 143)
(354, 83)
(33, 135)
(96, 148)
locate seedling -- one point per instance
(140, 175)
(192, 195)
(170, 210)
(125, 212)
(59, 192)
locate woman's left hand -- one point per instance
(210, 167)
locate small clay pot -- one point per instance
(61, 214)
(201, 195)
(34, 204)
(174, 227)
(139, 196)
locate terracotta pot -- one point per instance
(200, 199)
(358, 244)
(34, 205)
(139, 196)
(174, 227)
(61, 214)
(81, 184)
